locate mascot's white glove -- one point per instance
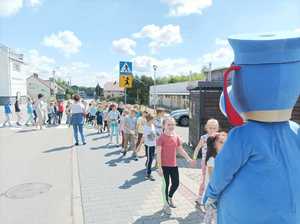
(210, 203)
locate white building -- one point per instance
(216, 74)
(112, 89)
(12, 75)
(171, 96)
(49, 89)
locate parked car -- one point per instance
(181, 116)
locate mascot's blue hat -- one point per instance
(266, 83)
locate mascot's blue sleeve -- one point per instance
(231, 158)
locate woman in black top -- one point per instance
(18, 112)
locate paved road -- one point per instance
(38, 164)
(114, 189)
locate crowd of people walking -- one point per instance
(147, 132)
(35, 112)
(156, 132)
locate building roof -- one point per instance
(45, 82)
(113, 87)
(180, 88)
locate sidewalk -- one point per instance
(115, 191)
(35, 174)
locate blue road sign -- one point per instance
(125, 68)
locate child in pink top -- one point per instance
(168, 144)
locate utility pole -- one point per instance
(155, 67)
(125, 97)
(209, 72)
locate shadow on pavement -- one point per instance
(139, 177)
(159, 217)
(91, 134)
(113, 153)
(114, 162)
(107, 146)
(101, 137)
(26, 130)
(58, 149)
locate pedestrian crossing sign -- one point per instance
(126, 81)
(125, 68)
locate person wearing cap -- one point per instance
(256, 179)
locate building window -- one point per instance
(16, 67)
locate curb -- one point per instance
(76, 200)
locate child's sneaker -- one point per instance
(134, 156)
(167, 210)
(150, 177)
(171, 203)
(200, 207)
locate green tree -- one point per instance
(99, 92)
(139, 93)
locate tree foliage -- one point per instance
(74, 89)
(180, 78)
(139, 93)
(99, 93)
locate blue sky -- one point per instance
(85, 39)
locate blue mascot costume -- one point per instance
(256, 179)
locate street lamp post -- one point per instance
(155, 67)
(209, 72)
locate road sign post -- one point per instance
(125, 97)
(125, 77)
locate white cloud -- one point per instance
(94, 78)
(297, 30)
(80, 73)
(66, 41)
(10, 7)
(124, 46)
(222, 42)
(222, 56)
(37, 63)
(160, 36)
(186, 7)
(168, 66)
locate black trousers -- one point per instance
(173, 174)
(60, 114)
(150, 151)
